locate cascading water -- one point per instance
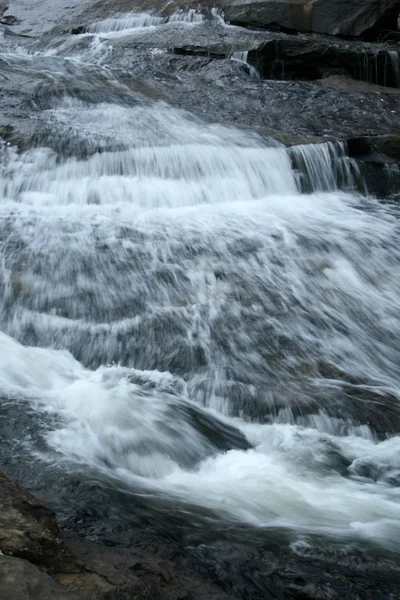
(127, 22)
(179, 315)
(381, 68)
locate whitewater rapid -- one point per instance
(195, 323)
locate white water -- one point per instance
(184, 280)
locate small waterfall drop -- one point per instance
(324, 167)
(380, 68)
(243, 56)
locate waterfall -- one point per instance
(196, 314)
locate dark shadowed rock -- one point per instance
(334, 17)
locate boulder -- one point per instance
(334, 17)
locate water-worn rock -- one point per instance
(334, 17)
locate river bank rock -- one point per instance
(20, 580)
(36, 564)
(334, 17)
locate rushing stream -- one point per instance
(182, 318)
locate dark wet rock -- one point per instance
(305, 57)
(380, 148)
(334, 17)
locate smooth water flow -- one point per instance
(202, 314)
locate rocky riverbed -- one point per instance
(178, 366)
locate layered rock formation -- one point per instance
(333, 17)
